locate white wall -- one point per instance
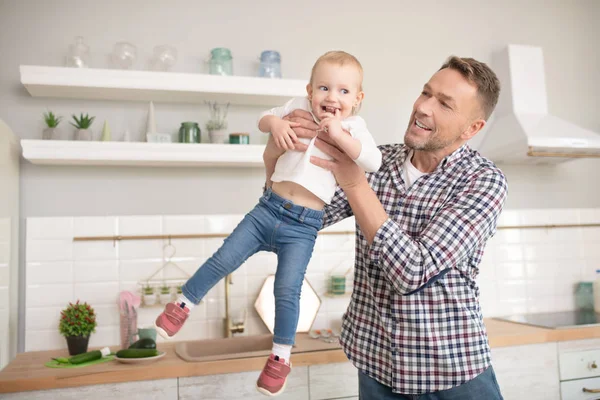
(400, 44)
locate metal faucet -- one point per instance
(230, 326)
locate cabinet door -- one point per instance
(164, 389)
(333, 381)
(574, 390)
(240, 385)
(527, 372)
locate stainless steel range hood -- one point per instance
(522, 130)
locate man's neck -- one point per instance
(427, 161)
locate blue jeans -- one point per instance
(276, 225)
(483, 387)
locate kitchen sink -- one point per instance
(245, 347)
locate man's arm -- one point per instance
(451, 235)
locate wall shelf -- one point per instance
(131, 85)
(63, 152)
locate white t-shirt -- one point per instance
(295, 166)
(410, 173)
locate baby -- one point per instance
(290, 213)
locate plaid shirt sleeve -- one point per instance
(464, 223)
(338, 209)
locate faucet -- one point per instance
(230, 326)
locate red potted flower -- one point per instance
(77, 323)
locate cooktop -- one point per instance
(557, 320)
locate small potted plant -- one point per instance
(52, 122)
(77, 323)
(149, 295)
(165, 294)
(217, 124)
(83, 124)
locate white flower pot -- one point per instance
(149, 299)
(84, 134)
(165, 298)
(49, 134)
(218, 136)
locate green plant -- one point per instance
(83, 122)
(164, 289)
(51, 120)
(218, 116)
(148, 290)
(77, 320)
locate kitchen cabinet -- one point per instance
(527, 372)
(240, 386)
(163, 389)
(580, 369)
(9, 243)
(333, 381)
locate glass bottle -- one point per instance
(270, 64)
(79, 54)
(189, 132)
(220, 61)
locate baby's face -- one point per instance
(335, 87)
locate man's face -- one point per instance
(442, 113)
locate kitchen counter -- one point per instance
(27, 371)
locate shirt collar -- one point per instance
(447, 162)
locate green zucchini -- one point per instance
(137, 353)
(89, 356)
(145, 343)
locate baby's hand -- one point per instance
(332, 125)
(283, 134)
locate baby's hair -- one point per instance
(339, 58)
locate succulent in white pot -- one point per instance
(165, 294)
(149, 295)
(217, 124)
(83, 124)
(52, 122)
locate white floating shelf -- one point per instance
(112, 84)
(63, 152)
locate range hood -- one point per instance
(522, 130)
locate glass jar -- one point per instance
(79, 54)
(220, 62)
(270, 64)
(584, 296)
(239, 138)
(189, 132)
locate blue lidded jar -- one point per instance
(270, 64)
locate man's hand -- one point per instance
(306, 126)
(346, 172)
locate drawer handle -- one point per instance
(586, 390)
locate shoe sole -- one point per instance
(267, 393)
(162, 332)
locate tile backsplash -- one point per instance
(523, 270)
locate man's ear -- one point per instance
(473, 129)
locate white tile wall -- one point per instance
(522, 270)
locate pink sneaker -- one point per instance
(170, 321)
(273, 377)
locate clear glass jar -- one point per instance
(79, 54)
(584, 296)
(270, 64)
(221, 61)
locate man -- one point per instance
(414, 327)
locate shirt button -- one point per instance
(287, 206)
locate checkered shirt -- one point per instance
(414, 322)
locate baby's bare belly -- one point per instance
(298, 195)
